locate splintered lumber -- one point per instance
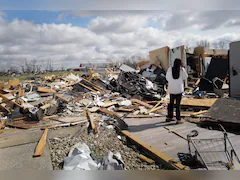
(45, 90)
(140, 116)
(10, 99)
(121, 123)
(41, 144)
(124, 110)
(94, 127)
(14, 82)
(141, 103)
(198, 113)
(197, 82)
(155, 109)
(45, 106)
(108, 104)
(156, 154)
(111, 113)
(60, 96)
(199, 102)
(78, 98)
(146, 159)
(83, 85)
(179, 135)
(19, 119)
(6, 109)
(95, 86)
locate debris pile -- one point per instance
(99, 103)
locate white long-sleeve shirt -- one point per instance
(176, 86)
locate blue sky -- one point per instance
(44, 16)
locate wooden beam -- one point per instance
(111, 113)
(155, 109)
(83, 85)
(1, 106)
(199, 102)
(95, 86)
(108, 104)
(146, 159)
(179, 135)
(197, 82)
(157, 154)
(124, 110)
(11, 101)
(78, 98)
(41, 144)
(60, 96)
(198, 113)
(45, 90)
(141, 103)
(140, 116)
(94, 127)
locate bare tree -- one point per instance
(203, 43)
(28, 67)
(49, 66)
(222, 44)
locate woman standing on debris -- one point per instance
(175, 76)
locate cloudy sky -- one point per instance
(71, 37)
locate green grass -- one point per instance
(25, 76)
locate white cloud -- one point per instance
(117, 24)
(108, 37)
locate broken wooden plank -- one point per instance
(45, 90)
(141, 103)
(14, 82)
(41, 144)
(198, 113)
(4, 108)
(199, 102)
(155, 109)
(155, 153)
(197, 82)
(78, 98)
(121, 123)
(140, 116)
(19, 119)
(94, 127)
(146, 159)
(83, 85)
(9, 99)
(174, 132)
(95, 86)
(60, 96)
(151, 110)
(109, 104)
(124, 110)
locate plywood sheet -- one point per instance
(199, 102)
(162, 54)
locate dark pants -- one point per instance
(178, 98)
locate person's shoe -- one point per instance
(169, 119)
(180, 122)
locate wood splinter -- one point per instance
(41, 144)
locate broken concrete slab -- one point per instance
(20, 158)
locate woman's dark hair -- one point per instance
(176, 68)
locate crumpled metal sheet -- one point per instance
(79, 158)
(112, 161)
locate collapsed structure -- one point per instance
(102, 102)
